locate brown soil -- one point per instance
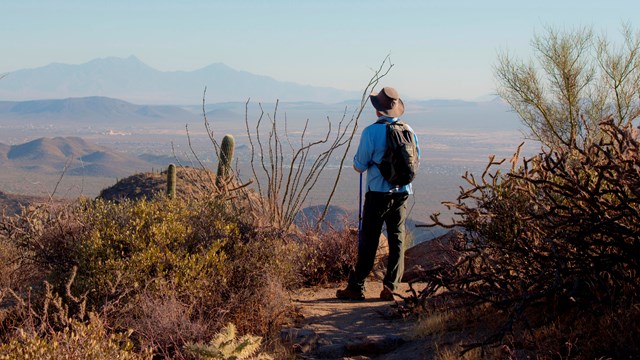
(346, 322)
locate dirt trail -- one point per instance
(356, 329)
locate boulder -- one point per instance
(433, 254)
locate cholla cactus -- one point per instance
(171, 181)
(224, 159)
(225, 345)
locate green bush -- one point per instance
(119, 247)
(136, 242)
(79, 341)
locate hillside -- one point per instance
(71, 155)
(12, 204)
(148, 185)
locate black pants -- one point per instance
(379, 208)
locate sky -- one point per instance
(439, 49)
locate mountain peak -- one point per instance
(132, 80)
(112, 61)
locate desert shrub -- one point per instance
(48, 328)
(127, 245)
(80, 340)
(162, 320)
(35, 231)
(328, 256)
(13, 272)
(136, 242)
(172, 271)
(263, 266)
(556, 241)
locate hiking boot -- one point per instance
(386, 294)
(350, 294)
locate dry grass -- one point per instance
(462, 333)
(452, 352)
(601, 332)
(434, 324)
(451, 329)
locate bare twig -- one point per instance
(382, 71)
(64, 171)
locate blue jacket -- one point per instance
(373, 142)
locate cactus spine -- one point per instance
(171, 181)
(224, 160)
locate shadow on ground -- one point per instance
(336, 329)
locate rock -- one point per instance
(430, 255)
(301, 340)
(374, 345)
(439, 252)
(333, 351)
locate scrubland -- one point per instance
(548, 269)
(548, 254)
(134, 278)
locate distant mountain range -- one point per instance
(71, 155)
(95, 110)
(108, 113)
(106, 91)
(133, 81)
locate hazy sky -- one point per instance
(440, 49)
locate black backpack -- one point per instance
(399, 165)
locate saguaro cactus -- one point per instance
(171, 181)
(224, 159)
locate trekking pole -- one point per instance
(360, 212)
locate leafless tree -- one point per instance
(285, 169)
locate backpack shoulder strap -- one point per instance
(387, 122)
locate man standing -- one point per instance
(384, 202)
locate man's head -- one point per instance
(387, 102)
